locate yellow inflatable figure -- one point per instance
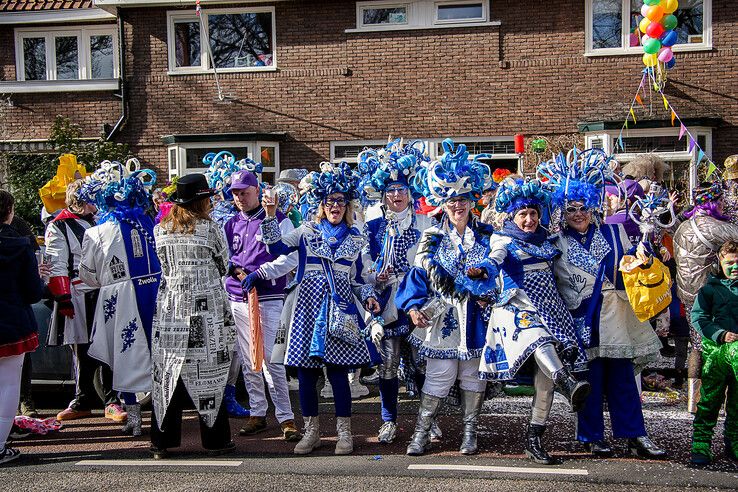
(54, 192)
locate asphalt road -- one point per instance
(92, 455)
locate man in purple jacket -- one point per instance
(254, 267)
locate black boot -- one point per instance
(600, 449)
(576, 392)
(533, 447)
(643, 447)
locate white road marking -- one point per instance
(224, 463)
(501, 469)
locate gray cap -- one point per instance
(292, 175)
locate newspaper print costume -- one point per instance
(193, 334)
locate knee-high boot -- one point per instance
(429, 406)
(471, 405)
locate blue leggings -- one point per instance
(338, 377)
(128, 398)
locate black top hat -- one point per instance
(191, 188)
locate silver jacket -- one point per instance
(696, 243)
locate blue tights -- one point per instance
(338, 377)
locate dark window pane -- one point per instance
(485, 147)
(607, 23)
(241, 40)
(194, 156)
(668, 143)
(101, 52)
(460, 12)
(67, 57)
(690, 17)
(187, 43)
(385, 16)
(34, 58)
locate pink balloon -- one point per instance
(665, 54)
(644, 10)
(633, 39)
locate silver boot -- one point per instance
(310, 436)
(133, 424)
(345, 444)
(471, 404)
(429, 406)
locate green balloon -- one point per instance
(669, 22)
(652, 46)
(651, 2)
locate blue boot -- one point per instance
(234, 408)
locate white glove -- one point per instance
(376, 333)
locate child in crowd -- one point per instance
(715, 316)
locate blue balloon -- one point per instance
(670, 64)
(669, 38)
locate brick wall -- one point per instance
(527, 75)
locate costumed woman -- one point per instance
(393, 234)
(529, 317)
(74, 305)
(222, 165)
(696, 244)
(590, 283)
(193, 331)
(322, 313)
(119, 258)
(449, 320)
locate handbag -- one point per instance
(648, 287)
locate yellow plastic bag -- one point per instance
(53, 193)
(648, 288)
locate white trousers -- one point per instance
(440, 375)
(10, 379)
(275, 374)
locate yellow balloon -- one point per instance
(669, 5)
(650, 60)
(644, 24)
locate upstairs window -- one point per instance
(386, 15)
(460, 12)
(612, 26)
(66, 54)
(240, 40)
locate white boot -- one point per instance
(345, 444)
(310, 436)
(133, 424)
(358, 390)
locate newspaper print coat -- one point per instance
(119, 258)
(193, 334)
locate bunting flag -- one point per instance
(682, 130)
(673, 115)
(692, 143)
(620, 142)
(640, 101)
(711, 168)
(700, 156)
(633, 115)
(666, 103)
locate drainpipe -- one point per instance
(122, 68)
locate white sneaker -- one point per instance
(8, 454)
(387, 432)
(327, 391)
(358, 390)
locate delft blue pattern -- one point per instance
(580, 258)
(450, 324)
(546, 251)
(109, 306)
(270, 231)
(515, 367)
(450, 258)
(128, 335)
(402, 245)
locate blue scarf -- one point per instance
(537, 238)
(333, 234)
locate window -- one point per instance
(240, 40)
(420, 14)
(66, 54)
(612, 26)
(186, 158)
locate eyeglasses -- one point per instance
(457, 201)
(396, 191)
(335, 202)
(572, 210)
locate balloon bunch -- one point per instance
(657, 27)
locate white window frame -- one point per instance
(83, 34)
(353, 143)
(254, 149)
(421, 14)
(625, 49)
(610, 137)
(205, 63)
(483, 18)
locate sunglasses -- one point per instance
(396, 191)
(573, 210)
(335, 202)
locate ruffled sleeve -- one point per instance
(413, 290)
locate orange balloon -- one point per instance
(655, 13)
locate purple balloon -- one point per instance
(670, 64)
(669, 38)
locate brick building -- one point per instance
(305, 81)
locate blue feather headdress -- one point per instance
(395, 163)
(221, 167)
(580, 176)
(119, 190)
(454, 175)
(339, 178)
(517, 193)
